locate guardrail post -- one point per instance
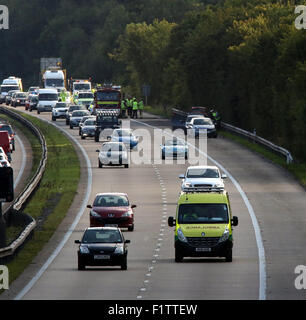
(254, 136)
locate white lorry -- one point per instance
(11, 83)
(54, 79)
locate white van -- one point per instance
(47, 99)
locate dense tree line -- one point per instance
(244, 57)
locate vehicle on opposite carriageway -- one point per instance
(88, 129)
(59, 111)
(76, 117)
(72, 108)
(47, 99)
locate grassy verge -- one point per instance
(297, 169)
(54, 195)
(158, 111)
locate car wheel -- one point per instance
(100, 164)
(178, 256)
(38, 112)
(80, 132)
(229, 257)
(83, 137)
(131, 228)
(81, 266)
(124, 263)
(126, 166)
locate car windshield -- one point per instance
(86, 95)
(55, 82)
(107, 119)
(174, 143)
(60, 105)
(6, 128)
(73, 108)
(111, 201)
(202, 122)
(102, 236)
(89, 123)
(203, 213)
(48, 97)
(9, 88)
(108, 96)
(202, 173)
(10, 93)
(21, 95)
(123, 133)
(80, 113)
(34, 99)
(81, 86)
(111, 147)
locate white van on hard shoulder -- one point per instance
(47, 99)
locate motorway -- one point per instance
(264, 255)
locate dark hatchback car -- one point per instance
(102, 247)
(112, 210)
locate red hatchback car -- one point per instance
(112, 210)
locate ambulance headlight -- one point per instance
(225, 235)
(180, 235)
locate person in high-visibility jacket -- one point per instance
(63, 96)
(123, 108)
(140, 107)
(135, 108)
(130, 107)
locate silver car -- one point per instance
(89, 128)
(202, 177)
(76, 117)
(59, 111)
(113, 154)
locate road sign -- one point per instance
(146, 90)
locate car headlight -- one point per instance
(119, 250)
(128, 214)
(225, 235)
(94, 214)
(187, 185)
(84, 249)
(180, 235)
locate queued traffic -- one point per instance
(203, 221)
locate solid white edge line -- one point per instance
(28, 287)
(259, 242)
(23, 162)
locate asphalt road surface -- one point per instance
(277, 201)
